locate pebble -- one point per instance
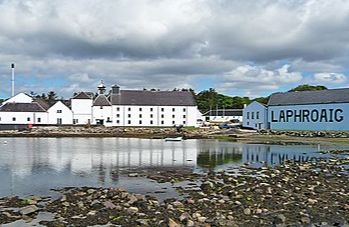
(247, 211)
(28, 210)
(132, 210)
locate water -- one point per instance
(37, 165)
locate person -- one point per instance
(30, 126)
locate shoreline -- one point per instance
(290, 194)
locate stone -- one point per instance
(132, 210)
(133, 175)
(280, 218)
(142, 222)
(177, 204)
(109, 205)
(202, 219)
(184, 216)
(132, 199)
(172, 223)
(92, 213)
(207, 186)
(237, 203)
(259, 211)
(305, 220)
(190, 223)
(90, 191)
(28, 210)
(247, 211)
(312, 201)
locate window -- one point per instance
(59, 121)
(117, 121)
(252, 115)
(257, 115)
(59, 111)
(13, 119)
(108, 119)
(101, 107)
(28, 118)
(117, 115)
(75, 121)
(128, 115)
(129, 122)
(162, 109)
(140, 116)
(184, 116)
(151, 116)
(248, 123)
(117, 108)
(184, 122)
(173, 122)
(140, 122)
(140, 109)
(162, 116)
(162, 122)
(173, 109)
(184, 109)
(39, 119)
(151, 109)
(248, 115)
(173, 116)
(151, 122)
(129, 109)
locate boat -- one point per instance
(180, 138)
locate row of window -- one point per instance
(151, 122)
(151, 116)
(253, 115)
(28, 119)
(141, 109)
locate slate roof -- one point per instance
(22, 107)
(227, 112)
(310, 97)
(42, 103)
(101, 100)
(153, 98)
(84, 95)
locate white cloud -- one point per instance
(331, 78)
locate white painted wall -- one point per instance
(23, 118)
(19, 98)
(339, 110)
(102, 113)
(225, 118)
(255, 116)
(82, 110)
(60, 111)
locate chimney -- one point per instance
(13, 79)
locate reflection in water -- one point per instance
(35, 165)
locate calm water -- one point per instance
(36, 165)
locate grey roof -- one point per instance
(310, 97)
(22, 107)
(45, 105)
(227, 112)
(84, 95)
(101, 100)
(153, 98)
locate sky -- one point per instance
(239, 47)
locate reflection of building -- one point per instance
(276, 154)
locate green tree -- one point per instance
(51, 96)
(307, 87)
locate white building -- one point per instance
(117, 108)
(255, 116)
(310, 110)
(223, 115)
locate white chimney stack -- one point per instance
(13, 79)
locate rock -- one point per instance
(312, 201)
(66, 204)
(132, 210)
(247, 211)
(237, 203)
(184, 216)
(92, 213)
(109, 205)
(133, 175)
(28, 210)
(207, 186)
(80, 204)
(177, 204)
(190, 223)
(280, 218)
(142, 222)
(202, 219)
(259, 211)
(132, 199)
(90, 191)
(172, 223)
(305, 220)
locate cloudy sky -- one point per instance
(239, 47)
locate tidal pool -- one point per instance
(34, 166)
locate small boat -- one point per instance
(180, 138)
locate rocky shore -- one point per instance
(293, 194)
(326, 134)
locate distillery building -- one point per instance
(310, 110)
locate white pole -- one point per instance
(13, 79)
